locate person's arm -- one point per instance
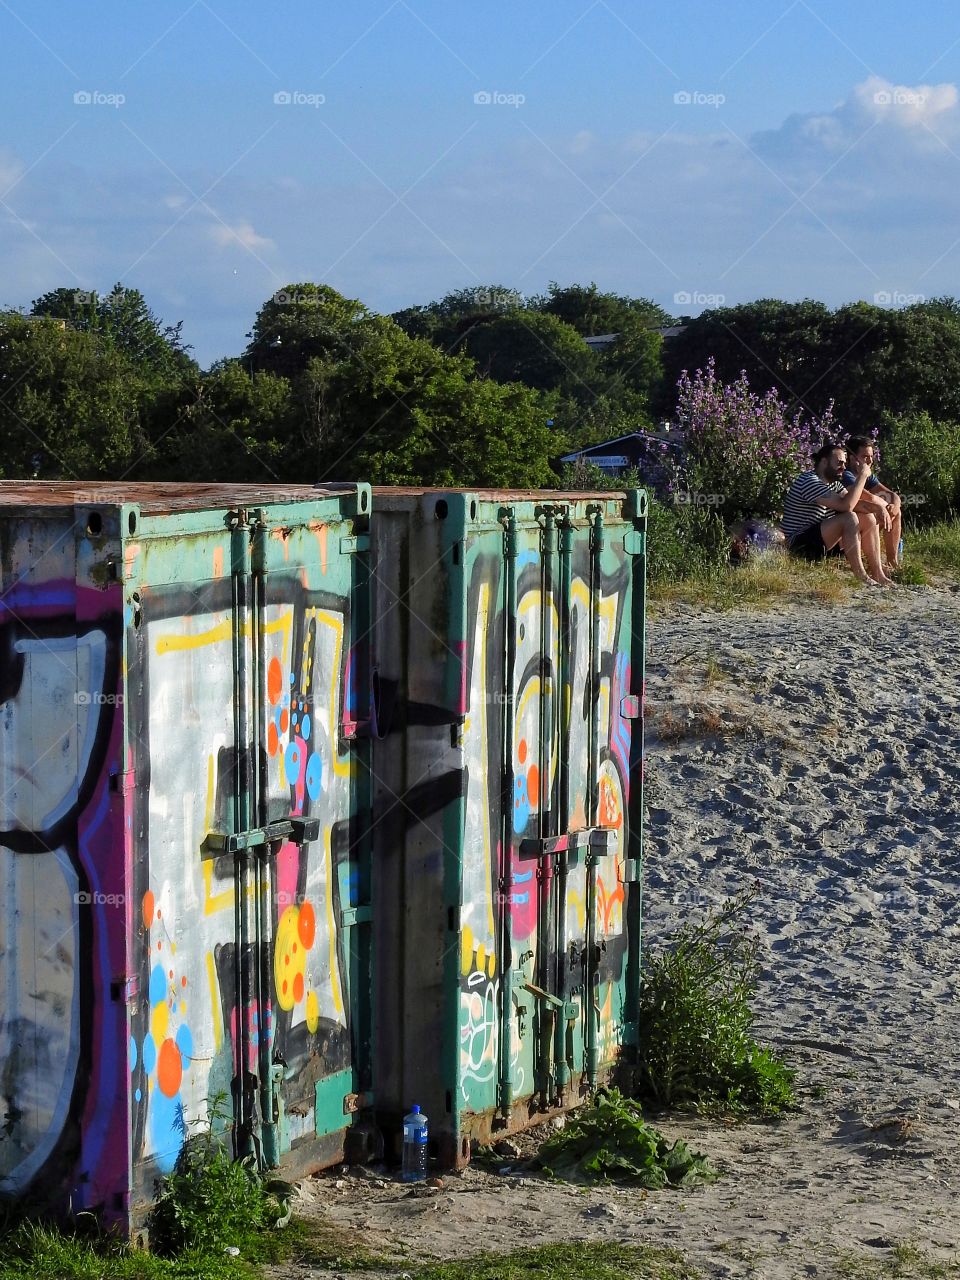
(846, 501)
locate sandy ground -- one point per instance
(818, 753)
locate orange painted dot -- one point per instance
(533, 783)
(284, 987)
(169, 1069)
(522, 750)
(159, 914)
(294, 948)
(183, 981)
(273, 741)
(307, 925)
(284, 721)
(159, 946)
(274, 680)
(298, 988)
(171, 973)
(148, 908)
(286, 959)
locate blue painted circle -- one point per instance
(158, 984)
(149, 1054)
(133, 1054)
(138, 1095)
(185, 1041)
(314, 775)
(291, 760)
(164, 1129)
(305, 727)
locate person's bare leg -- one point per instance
(845, 529)
(870, 544)
(892, 538)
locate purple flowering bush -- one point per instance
(742, 450)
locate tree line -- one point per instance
(483, 387)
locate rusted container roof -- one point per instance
(157, 498)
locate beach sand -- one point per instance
(815, 752)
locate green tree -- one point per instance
(591, 311)
(123, 319)
(536, 349)
(445, 322)
(228, 425)
(70, 404)
(304, 322)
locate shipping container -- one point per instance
(507, 676)
(185, 832)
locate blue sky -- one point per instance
(690, 152)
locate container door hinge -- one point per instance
(350, 546)
(123, 783)
(356, 915)
(635, 543)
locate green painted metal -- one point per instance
(202, 650)
(508, 814)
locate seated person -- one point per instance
(820, 516)
(883, 502)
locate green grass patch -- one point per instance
(611, 1142)
(935, 549)
(906, 1262)
(762, 582)
(567, 1262)
(696, 1046)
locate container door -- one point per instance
(255, 876)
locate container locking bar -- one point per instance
(297, 830)
(599, 840)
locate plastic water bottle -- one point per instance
(414, 1146)
(900, 551)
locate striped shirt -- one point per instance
(803, 508)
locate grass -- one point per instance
(763, 582)
(579, 1261)
(906, 1262)
(935, 549)
(931, 555)
(45, 1253)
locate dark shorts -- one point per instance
(809, 545)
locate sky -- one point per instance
(699, 154)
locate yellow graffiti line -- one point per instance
(331, 926)
(216, 1015)
(576, 901)
(214, 635)
(342, 767)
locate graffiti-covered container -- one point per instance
(508, 692)
(184, 831)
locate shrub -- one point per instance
(696, 1047)
(741, 447)
(921, 460)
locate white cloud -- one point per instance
(239, 234)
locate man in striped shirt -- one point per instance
(819, 516)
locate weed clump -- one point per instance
(696, 1045)
(611, 1142)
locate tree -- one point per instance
(226, 426)
(591, 312)
(70, 404)
(779, 344)
(304, 322)
(123, 319)
(445, 322)
(537, 350)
